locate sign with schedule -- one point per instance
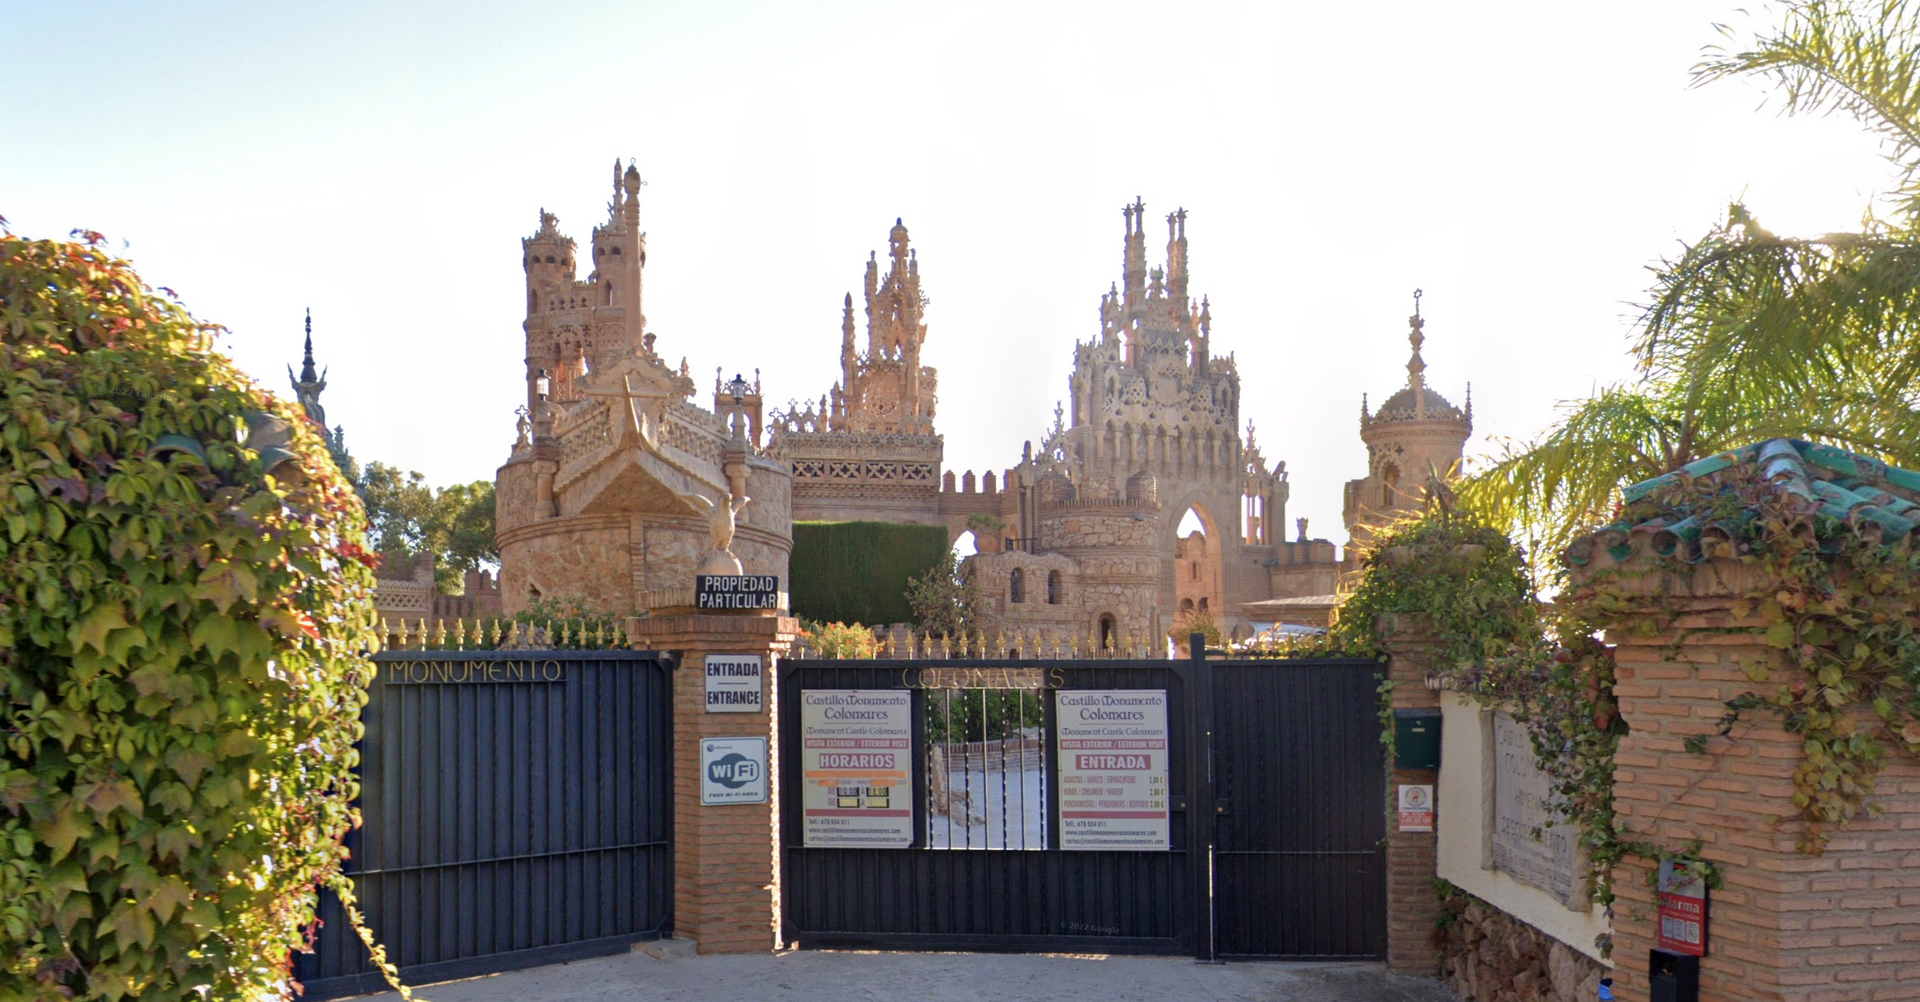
(1112, 753)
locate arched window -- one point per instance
(1017, 585)
(1054, 591)
(1106, 632)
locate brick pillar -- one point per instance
(1413, 907)
(1787, 926)
(726, 859)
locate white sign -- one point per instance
(733, 770)
(1521, 795)
(733, 683)
(1416, 808)
(856, 748)
(1112, 753)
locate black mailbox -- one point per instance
(1416, 739)
(1672, 977)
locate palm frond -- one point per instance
(1860, 57)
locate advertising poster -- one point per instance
(856, 760)
(1112, 754)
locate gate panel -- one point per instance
(986, 899)
(507, 823)
(1300, 823)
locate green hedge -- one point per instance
(857, 572)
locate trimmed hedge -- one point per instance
(857, 572)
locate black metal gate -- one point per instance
(518, 810)
(1275, 774)
(1300, 820)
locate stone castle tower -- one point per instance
(869, 450)
(1153, 432)
(1080, 538)
(589, 505)
(1415, 435)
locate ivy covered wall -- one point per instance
(857, 572)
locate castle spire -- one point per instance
(306, 367)
(1416, 336)
(307, 386)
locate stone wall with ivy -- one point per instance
(1487, 955)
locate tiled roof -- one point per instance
(1875, 500)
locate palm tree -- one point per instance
(1748, 334)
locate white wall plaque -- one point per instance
(1521, 793)
(734, 683)
(733, 771)
(1112, 754)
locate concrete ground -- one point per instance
(835, 976)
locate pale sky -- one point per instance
(1521, 162)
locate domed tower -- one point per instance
(1417, 433)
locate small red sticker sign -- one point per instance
(1683, 912)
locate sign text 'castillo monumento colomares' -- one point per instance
(425, 672)
(736, 591)
(856, 759)
(1112, 752)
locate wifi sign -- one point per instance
(734, 771)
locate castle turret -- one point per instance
(619, 254)
(1414, 435)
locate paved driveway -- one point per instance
(823, 976)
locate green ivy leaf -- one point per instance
(1780, 635)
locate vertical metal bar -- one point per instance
(1200, 808)
(917, 783)
(1050, 767)
(1001, 698)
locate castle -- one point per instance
(1079, 538)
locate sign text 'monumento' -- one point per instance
(1521, 794)
(427, 672)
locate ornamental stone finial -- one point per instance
(1416, 336)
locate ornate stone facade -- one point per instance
(1081, 536)
(869, 450)
(589, 503)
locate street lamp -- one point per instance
(541, 384)
(739, 388)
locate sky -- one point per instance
(1522, 163)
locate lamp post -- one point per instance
(738, 387)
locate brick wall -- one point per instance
(1413, 908)
(1844, 925)
(726, 865)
